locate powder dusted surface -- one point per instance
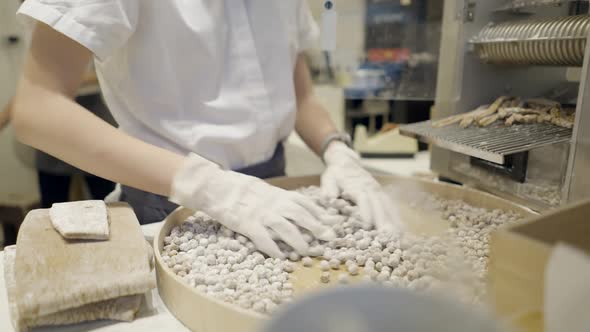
(81, 220)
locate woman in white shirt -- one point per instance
(202, 90)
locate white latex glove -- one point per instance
(344, 174)
(249, 206)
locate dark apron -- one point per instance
(151, 208)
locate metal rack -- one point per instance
(493, 143)
(486, 54)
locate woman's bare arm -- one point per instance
(313, 122)
(46, 117)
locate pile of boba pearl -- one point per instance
(226, 266)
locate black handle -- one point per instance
(13, 39)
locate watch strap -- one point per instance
(341, 137)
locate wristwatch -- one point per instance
(342, 137)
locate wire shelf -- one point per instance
(491, 143)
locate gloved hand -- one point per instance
(344, 174)
(249, 206)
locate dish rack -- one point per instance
(526, 49)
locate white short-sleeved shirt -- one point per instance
(214, 77)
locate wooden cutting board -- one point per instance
(54, 274)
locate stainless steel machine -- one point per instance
(524, 48)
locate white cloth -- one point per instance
(214, 77)
(115, 195)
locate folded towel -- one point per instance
(95, 278)
(123, 308)
(81, 220)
